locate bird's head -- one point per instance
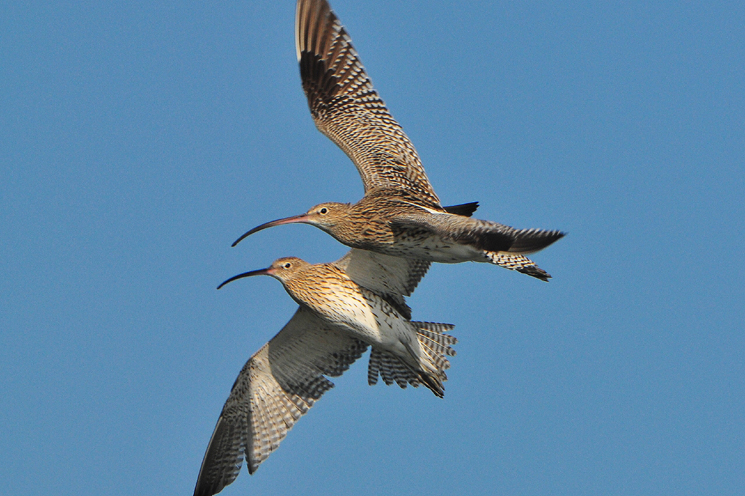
(327, 215)
(283, 269)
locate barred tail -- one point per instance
(520, 263)
(435, 346)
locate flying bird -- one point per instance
(400, 214)
(345, 306)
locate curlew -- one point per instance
(345, 306)
(400, 214)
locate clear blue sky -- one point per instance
(139, 139)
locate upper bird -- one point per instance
(400, 214)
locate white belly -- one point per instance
(371, 319)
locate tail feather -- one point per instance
(391, 369)
(518, 262)
(435, 347)
(436, 344)
(436, 340)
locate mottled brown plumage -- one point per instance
(345, 307)
(400, 214)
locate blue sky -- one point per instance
(138, 140)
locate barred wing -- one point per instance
(346, 107)
(277, 386)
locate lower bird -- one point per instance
(345, 306)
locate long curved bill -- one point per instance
(278, 222)
(260, 272)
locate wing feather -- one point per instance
(346, 107)
(277, 386)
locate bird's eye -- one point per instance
(288, 265)
(324, 211)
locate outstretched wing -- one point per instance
(277, 386)
(391, 277)
(346, 107)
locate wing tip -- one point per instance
(207, 484)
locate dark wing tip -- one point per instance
(464, 209)
(532, 240)
(222, 461)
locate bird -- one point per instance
(399, 214)
(344, 307)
